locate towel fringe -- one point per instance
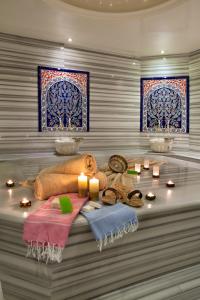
(44, 251)
(110, 237)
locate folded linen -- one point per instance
(110, 223)
(46, 230)
(47, 184)
(85, 163)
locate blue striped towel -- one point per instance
(110, 223)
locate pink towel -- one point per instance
(46, 230)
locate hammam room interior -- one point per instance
(99, 150)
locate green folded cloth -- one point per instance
(66, 205)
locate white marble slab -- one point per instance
(168, 238)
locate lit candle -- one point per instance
(82, 185)
(170, 183)
(156, 171)
(150, 196)
(10, 183)
(25, 203)
(94, 189)
(146, 164)
(138, 168)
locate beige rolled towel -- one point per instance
(85, 163)
(47, 185)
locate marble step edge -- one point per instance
(189, 276)
(24, 291)
(150, 247)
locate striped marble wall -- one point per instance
(195, 101)
(114, 95)
(168, 66)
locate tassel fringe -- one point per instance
(110, 237)
(44, 252)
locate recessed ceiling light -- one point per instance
(133, 63)
(162, 52)
(69, 40)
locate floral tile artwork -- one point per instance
(63, 99)
(165, 104)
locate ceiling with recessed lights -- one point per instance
(171, 26)
(115, 6)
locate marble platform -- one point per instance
(168, 239)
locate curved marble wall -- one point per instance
(195, 101)
(114, 95)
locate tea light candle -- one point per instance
(94, 189)
(138, 168)
(150, 196)
(146, 164)
(82, 185)
(156, 171)
(170, 183)
(10, 183)
(25, 203)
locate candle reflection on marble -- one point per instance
(10, 183)
(25, 214)
(25, 203)
(138, 178)
(149, 205)
(156, 171)
(155, 182)
(10, 193)
(169, 193)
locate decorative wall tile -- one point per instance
(165, 104)
(63, 97)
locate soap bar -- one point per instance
(55, 203)
(133, 172)
(66, 204)
(88, 208)
(94, 204)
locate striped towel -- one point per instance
(110, 223)
(46, 230)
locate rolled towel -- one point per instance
(47, 184)
(85, 163)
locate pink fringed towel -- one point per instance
(46, 230)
